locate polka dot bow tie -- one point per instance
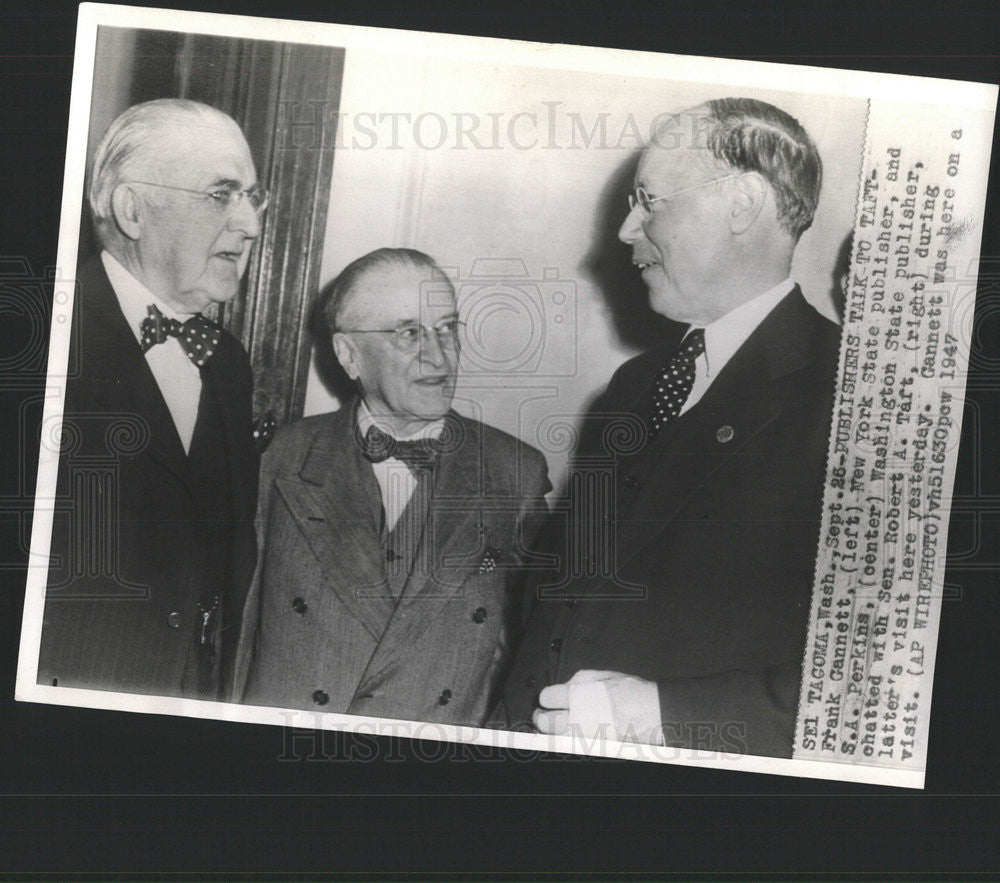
(673, 385)
(197, 336)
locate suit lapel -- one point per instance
(461, 478)
(749, 393)
(334, 500)
(218, 376)
(115, 372)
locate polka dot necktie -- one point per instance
(674, 383)
(197, 336)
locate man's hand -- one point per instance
(604, 704)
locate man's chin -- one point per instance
(665, 300)
(222, 283)
(662, 301)
(429, 415)
(221, 294)
(428, 412)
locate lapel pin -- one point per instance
(489, 562)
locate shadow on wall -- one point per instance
(334, 378)
(609, 263)
(842, 276)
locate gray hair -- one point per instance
(755, 136)
(130, 142)
(334, 298)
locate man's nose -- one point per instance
(631, 228)
(245, 219)
(431, 351)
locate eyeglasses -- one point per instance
(408, 336)
(639, 197)
(225, 199)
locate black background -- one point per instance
(105, 791)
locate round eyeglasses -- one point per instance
(640, 199)
(408, 337)
(224, 198)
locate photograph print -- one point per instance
(411, 382)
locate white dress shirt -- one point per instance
(395, 479)
(726, 335)
(177, 376)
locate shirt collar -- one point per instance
(366, 421)
(727, 334)
(133, 296)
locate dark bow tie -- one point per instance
(197, 336)
(377, 446)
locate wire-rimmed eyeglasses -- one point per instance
(641, 199)
(408, 336)
(225, 199)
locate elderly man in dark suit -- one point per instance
(154, 553)
(393, 531)
(693, 634)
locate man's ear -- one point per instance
(127, 211)
(347, 355)
(751, 189)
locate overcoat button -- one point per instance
(320, 697)
(479, 615)
(631, 482)
(174, 620)
(724, 434)
(299, 605)
(556, 644)
(445, 697)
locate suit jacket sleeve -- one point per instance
(745, 712)
(533, 518)
(251, 609)
(533, 521)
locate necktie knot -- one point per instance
(378, 446)
(198, 336)
(674, 382)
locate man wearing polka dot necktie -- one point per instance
(154, 550)
(690, 631)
